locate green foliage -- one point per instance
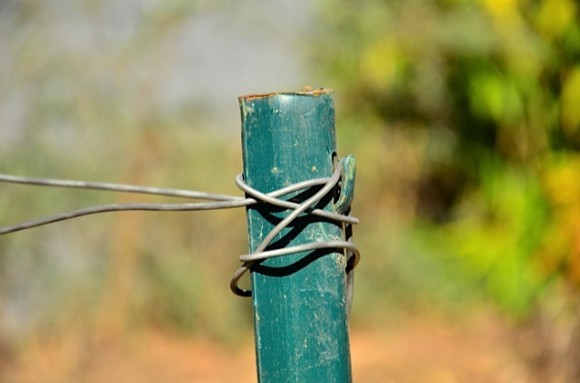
(476, 101)
(495, 237)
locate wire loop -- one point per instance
(260, 254)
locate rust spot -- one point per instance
(306, 91)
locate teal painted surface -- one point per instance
(299, 301)
(348, 178)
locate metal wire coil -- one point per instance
(261, 253)
(219, 201)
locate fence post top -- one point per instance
(306, 91)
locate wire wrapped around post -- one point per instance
(299, 300)
(342, 172)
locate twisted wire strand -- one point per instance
(260, 249)
(105, 186)
(219, 201)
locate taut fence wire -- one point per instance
(322, 187)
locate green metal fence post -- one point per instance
(299, 301)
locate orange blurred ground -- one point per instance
(421, 351)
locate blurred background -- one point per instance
(464, 116)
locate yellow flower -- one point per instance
(503, 11)
(570, 107)
(382, 63)
(555, 16)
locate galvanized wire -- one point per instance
(221, 201)
(218, 201)
(260, 252)
(104, 186)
